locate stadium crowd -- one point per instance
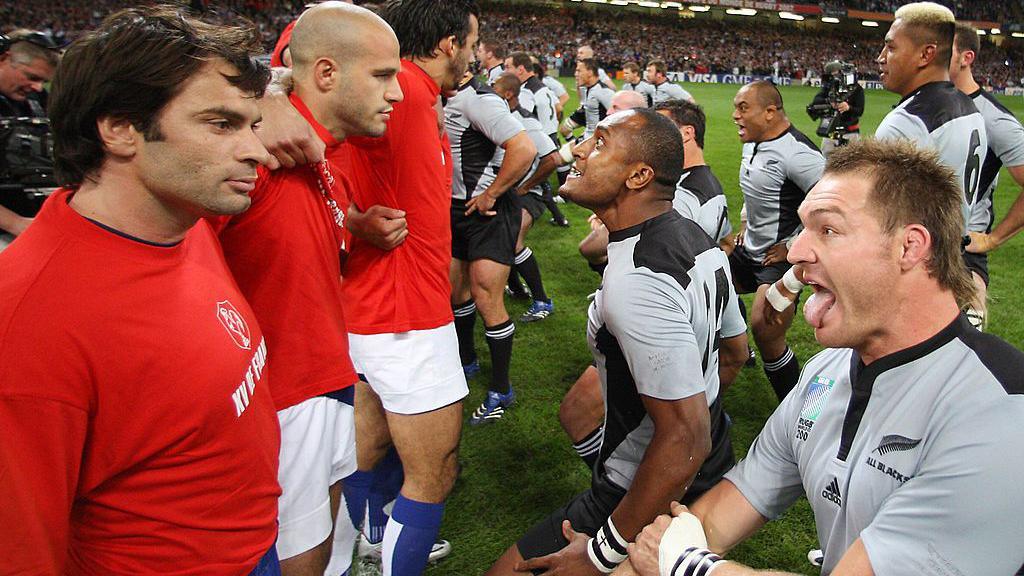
(701, 45)
(275, 278)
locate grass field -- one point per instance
(519, 470)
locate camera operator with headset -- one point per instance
(838, 105)
(28, 60)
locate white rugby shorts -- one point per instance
(412, 372)
(318, 448)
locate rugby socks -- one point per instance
(356, 488)
(465, 322)
(387, 481)
(783, 372)
(410, 535)
(549, 201)
(526, 264)
(499, 340)
(590, 446)
(563, 173)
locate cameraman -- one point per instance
(840, 103)
(27, 64)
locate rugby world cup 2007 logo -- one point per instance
(814, 401)
(234, 324)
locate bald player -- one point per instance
(627, 100)
(780, 165)
(287, 248)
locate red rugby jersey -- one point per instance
(138, 434)
(409, 169)
(283, 252)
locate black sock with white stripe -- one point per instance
(465, 322)
(549, 201)
(783, 372)
(499, 340)
(590, 446)
(526, 265)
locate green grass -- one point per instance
(522, 468)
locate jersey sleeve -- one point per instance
(945, 515)
(768, 477)
(558, 89)
(541, 140)
(491, 116)
(1006, 139)
(649, 317)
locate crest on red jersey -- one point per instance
(234, 324)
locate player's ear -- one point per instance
(118, 136)
(639, 176)
(917, 246)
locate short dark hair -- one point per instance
(538, 69)
(522, 59)
(589, 64)
(967, 38)
(913, 186)
(632, 67)
(421, 24)
(658, 144)
(497, 50)
(659, 66)
(767, 93)
(686, 113)
(130, 68)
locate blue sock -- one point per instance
(356, 488)
(409, 536)
(387, 481)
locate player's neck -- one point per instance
(692, 156)
(965, 82)
(917, 315)
(321, 111)
(773, 133)
(632, 209)
(927, 76)
(437, 68)
(119, 201)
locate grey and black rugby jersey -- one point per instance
(700, 198)
(556, 87)
(594, 104)
(775, 175)
(494, 73)
(541, 140)
(940, 117)
(541, 100)
(653, 329)
(478, 122)
(669, 91)
(920, 454)
(644, 87)
(1005, 148)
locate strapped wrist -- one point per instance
(607, 549)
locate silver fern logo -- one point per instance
(895, 443)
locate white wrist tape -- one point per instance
(565, 153)
(694, 562)
(776, 299)
(683, 533)
(790, 281)
(569, 124)
(608, 549)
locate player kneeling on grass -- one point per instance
(902, 434)
(652, 330)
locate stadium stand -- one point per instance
(731, 45)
